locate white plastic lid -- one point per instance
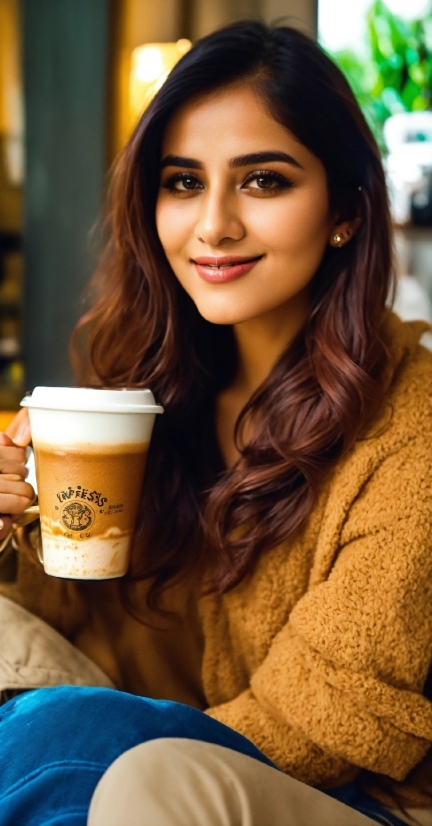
(90, 400)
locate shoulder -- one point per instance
(391, 463)
(406, 413)
(410, 391)
(381, 490)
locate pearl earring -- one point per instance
(337, 239)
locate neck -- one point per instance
(261, 341)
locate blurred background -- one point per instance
(75, 76)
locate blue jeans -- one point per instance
(56, 743)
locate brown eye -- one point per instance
(266, 181)
(188, 182)
(182, 182)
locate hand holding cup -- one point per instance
(16, 495)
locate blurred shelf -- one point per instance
(416, 232)
(10, 306)
(11, 383)
(419, 240)
(10, 348)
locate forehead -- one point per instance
(228, 122)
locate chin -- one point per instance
(221, 315)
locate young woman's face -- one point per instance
(243, 211)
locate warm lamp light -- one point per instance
(150, 66)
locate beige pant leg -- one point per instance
(180, 782)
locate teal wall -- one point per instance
(65, 49)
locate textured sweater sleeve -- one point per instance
(341, 685)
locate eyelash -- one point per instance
(176, 178)
(280, 181)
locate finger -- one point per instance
(15, 473)
(15, 497)
(13, 503)
(16, 487)
(12, 458)
(19, 428)
(10, 451)
(5, 525)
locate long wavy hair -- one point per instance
(143, 329)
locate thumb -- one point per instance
(19, 428)
(6, 441)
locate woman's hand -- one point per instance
(19, 428)
(15, 493)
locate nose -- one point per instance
(219, 219)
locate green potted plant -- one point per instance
(394, 72)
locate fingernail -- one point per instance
(21, 436)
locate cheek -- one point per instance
(299, 223)
(174, 226)
(164, 224)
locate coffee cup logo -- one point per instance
(76, 516)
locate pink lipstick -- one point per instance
(219, 270)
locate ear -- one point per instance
(343, 232)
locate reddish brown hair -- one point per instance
(144, 330)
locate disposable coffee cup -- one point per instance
(90, 449)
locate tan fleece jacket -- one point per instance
(320, 657)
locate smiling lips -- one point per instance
(223, 269)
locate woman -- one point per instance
(281, 573)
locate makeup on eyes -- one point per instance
(265, 176)
(269, 176)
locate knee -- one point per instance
(169, 782)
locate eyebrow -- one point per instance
(241, 160)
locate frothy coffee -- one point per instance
(88, 500)
(90, 449)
